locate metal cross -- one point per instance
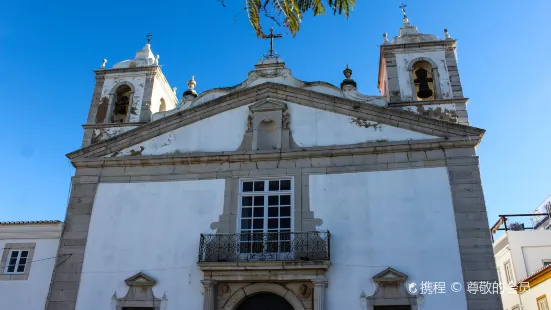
(271, 53)
(403, 7)
(148, 36)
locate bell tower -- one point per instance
(418, 72)
(126, 96)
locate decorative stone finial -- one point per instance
(157, 59)
(103, 63)
(385, 36)
(190, 94)
(447, 34)
(191, 83)
(174, 89)
(348, 81)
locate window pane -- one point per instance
(285, 223)
(247, 186)
(272, 212)
(273, 200)
(285, 185)
(285, 200)
(23, 261)
(258, 223)
(259, 186)
(24, 253)
(274, 185)
(20, 268)
(14, 253)
(247, 201)
(246, 212)
(245, 224)
(272, 223)
(13, 261)
(258, 212)
(285, 211)
(259, 200)
(11, 269)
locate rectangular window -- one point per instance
(546, 262)
(509, 273)
(265, 217)
(542, 303)
(17, 261)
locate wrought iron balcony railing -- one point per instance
(265, 246)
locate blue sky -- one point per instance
(49, 49)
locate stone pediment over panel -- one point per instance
(312, 119)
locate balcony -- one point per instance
(265, 247)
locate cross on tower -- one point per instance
(148, 36)
(271, 53)
(403, 7)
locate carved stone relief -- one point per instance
(391, 290)
(140, 294)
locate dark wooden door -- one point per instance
(265, 301)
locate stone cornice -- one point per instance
(383, 115)
(39, 231)
(255, 156)
(409, 46)
(150, 69)
(112, 125)
(429, 102)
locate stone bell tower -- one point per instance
(419, 71)
(126, 95)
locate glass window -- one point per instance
(17, 261)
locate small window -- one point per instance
(162, 107)
(546, 262)
(509, 273)
(542, 303)
(17, 261)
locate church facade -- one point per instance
(278, 193)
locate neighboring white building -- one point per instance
(278, 193)
(29, 252)
(522, 259)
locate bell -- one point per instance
(424, 89)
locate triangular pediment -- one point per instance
(218, 125)
(390, 275)
(140, 279)
(268, 104)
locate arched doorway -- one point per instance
(265, 301)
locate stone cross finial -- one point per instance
(447, 34)
(271, 53)
(103, 63)
(403, 7)
(148, 36)
(385, 36)
(157, 59)
(191, 83)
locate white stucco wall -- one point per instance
(529, 297)
(509, 296)
(161, 89)
(404, 79)
(138, 81)
(31, 293)
(313, 127)
(153, 228)
(528, 249)
(400, 219)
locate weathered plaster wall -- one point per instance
(402, 62)
(101, 134)
(153, 228)
(402, 219)
(161, 89)
(313, 127)
(138, 81)
(30, 293)
(445, 112)
(222, 132)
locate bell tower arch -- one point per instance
(418, 72)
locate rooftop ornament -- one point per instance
(271, 53)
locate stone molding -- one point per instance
(108, 71)
(140, 293)
(388, 116)
(429, 102)
(248, 290)
(408, 46)
(391, 290)
(258, 156)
